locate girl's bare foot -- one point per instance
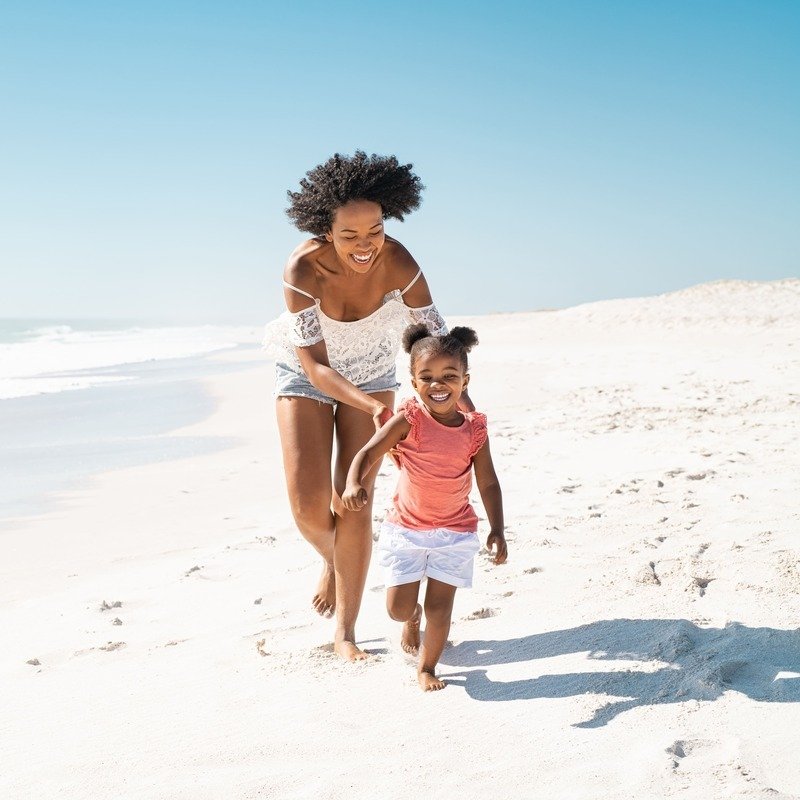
(428, 682)
(349, 651)
(324, 601)
(409, 639)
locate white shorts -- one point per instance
(408, 556)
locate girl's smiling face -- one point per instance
(440, 381)
(357, 234)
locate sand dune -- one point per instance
(642, 641)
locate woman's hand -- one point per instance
(381, 416)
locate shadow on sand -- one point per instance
(687, 662)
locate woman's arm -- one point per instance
(492, 497)
(394, 431)
(314, 361)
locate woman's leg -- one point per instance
(353, 543)
(439, 598)
(306, 431)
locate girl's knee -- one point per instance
(400, 609)
(438, 610)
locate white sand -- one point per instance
(642, 641)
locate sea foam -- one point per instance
(57, 358)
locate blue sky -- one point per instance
(572, 151)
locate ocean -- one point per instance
(82, 397)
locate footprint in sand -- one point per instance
(108, 647)
(647, 574)
(682, 748)
(482, 613)
(701, 584)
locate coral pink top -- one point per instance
(436, 471)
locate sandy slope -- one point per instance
(643, 639)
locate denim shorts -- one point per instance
(292, 382)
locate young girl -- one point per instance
(430, 530)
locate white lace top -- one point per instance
(360, 350)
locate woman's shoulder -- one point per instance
(303, 258)
(301, 266)
(399, 261)
(404, 273)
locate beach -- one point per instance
(643, 639)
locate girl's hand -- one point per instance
(498, 540)
(381, 417)
(354, 497)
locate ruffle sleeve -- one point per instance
(480, 432)
(411, 410)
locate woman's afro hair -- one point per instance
(418, 340)
(341, 179)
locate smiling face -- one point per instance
(357, 234)
(439, 380)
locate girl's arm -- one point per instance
(394, 431)
(492, 497)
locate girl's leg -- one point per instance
(353, 541)
(306, 431)
(438, 612)
(402, 605)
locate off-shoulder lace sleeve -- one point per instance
(480, 432)
(430, 317)
(305, 329)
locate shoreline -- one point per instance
(55, 442)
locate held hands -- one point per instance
(381, 416)
(354, 496)
(498, 541)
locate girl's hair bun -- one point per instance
(413, 333)
(466, 336)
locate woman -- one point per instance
(350, 291)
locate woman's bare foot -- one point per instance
(428, 682)
(409, 639)
(324, 601)
(349, 651)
